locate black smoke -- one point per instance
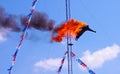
(39, 21)
(8, 21)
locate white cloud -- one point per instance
(98, 58)
(2, 35)
(49, 64)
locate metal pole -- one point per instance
(69, 44)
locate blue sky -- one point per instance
(38, 55)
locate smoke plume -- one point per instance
(16, 23)
(39, 21)
(8, 21)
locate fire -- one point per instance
(71, 27)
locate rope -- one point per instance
(62, 62)
(22, 36)
(82, 64)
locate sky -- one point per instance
(38, 55)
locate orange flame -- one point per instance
(72, 27)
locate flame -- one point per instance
(71, 27)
